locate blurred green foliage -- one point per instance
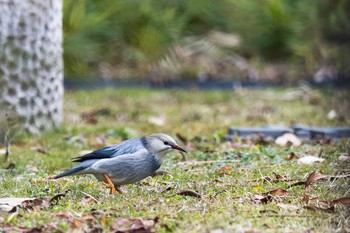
(137, 33)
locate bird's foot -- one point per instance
(110, 185)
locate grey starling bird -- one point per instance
(127, 162)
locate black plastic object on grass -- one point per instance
(266, 131)
(321, 132)
(301, 131)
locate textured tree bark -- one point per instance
(31, 67)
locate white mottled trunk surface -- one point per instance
(31, 67)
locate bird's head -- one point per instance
(161, 144)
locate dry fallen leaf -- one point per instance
(90, 117)
(22, 229)
(59, 196)
(269, 196)
(288, 139)
(309, 200)
(259, 198)
(134, 225)
(277, 192)
(7, 204)
(344, 201)
(309, 160)
(225, 170)
(64, 214)
(11, 204)
(190, 193)
(292, 156)
(313, 178)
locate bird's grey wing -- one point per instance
(127, 168)
(125, 147)
(79, 169)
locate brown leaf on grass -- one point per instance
(8, 204)
(259, 199)
(63, 214)
(90, 117)
(190, 193)
(82, 222)
(75, 224)
(325, 206)
(12, 204)
(36, 204)
(134, 225)
(344, 201)
(309, 200)
(292, 156)
(277, 192)
(269, 196)
(21, 229)
(225, 170)
(87, 218)
(59, 196)
(313, 178)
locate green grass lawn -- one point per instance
(234, 174)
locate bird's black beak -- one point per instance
(177, 147)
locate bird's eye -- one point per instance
(166, 143)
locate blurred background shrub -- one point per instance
(203, 39)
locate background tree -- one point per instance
(123, 39)
(31, 67)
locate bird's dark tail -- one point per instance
(72, 171)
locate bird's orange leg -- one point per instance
(111, 185)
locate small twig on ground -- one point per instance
(186, 163)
